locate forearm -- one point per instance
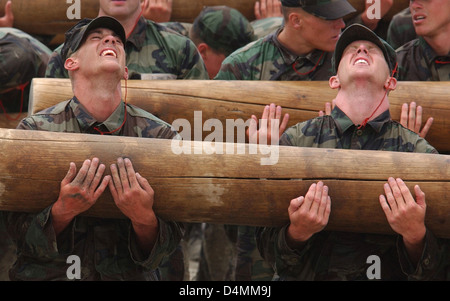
(146, 235)
(429, 262)
(414, 249)
(60, 221)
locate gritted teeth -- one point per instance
(361, 62)
(108, 52)
(417, 17)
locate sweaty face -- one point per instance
(363, 60)
(102, 52)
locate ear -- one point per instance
(203, 50)
(125, 74)
(296, 20)
(390, 84)
(71, 64)
(334, 82)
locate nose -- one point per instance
(339, 23)
(109, 39)
(414, 4)
(362, 49)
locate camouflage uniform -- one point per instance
(333, 255)
(107, 247)
(401, 29)
(22, 57)
(153, 52)
(268, 59)
(266, 26)
(417, 61)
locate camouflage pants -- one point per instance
(7, 255)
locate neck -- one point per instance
(128, 22)
(99, 97)
(439, 42)
(293, 42)
(361, 100)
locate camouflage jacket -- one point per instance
(333, 255)
(401, 29)
(153, 52)
(267, 59)
(417, 61)
(266, 26)
(22, 57)
(107, 247)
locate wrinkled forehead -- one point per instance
(367, 44)
(102, 31)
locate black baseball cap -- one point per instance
(358, 32)
(325, 9)
(76, 36)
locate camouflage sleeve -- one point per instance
(422, 146)
(287, 262)
(34, 232)
(232, 68)
(432, 264)
(26, 124)
(169, 237)
(55, 66)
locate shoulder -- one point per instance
(166, 32)
(407, 139)
(179, 27)
(46, 117)
(137, 112)
(149, 125)
(263, 47)
(17, 34)
(408, 47)
(305, 133)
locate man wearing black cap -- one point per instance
(153, 51)
(108, 249)
(300, 50)
(301, 250)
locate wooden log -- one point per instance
(35, 17)
(214, 187)
(171, 100)
(47, 17)
(11, 120)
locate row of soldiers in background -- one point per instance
(274, 50)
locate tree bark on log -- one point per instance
(233, 100)
(215, 188)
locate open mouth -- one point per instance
(361, 62)
(418, 18)
(108, 52)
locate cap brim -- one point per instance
(356, 32)
(332, 10)
(106, 22)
